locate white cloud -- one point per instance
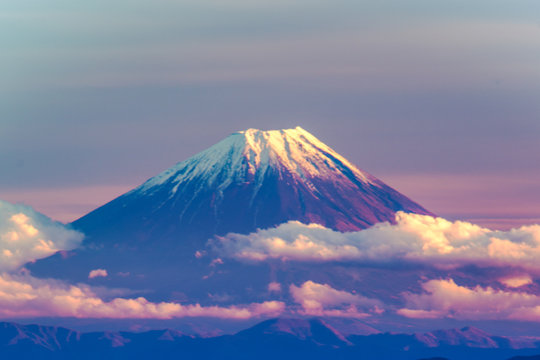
(323, 300)
(26, 235)
(445, 298)
(414, 238)
(24, 296)
(97, 273)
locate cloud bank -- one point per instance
(26, 235)
(414, 238)
(24, 296)
(445, 298)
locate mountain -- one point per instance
(252, 179)
(313, 330)
(271, 339)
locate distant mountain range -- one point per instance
(270, 339)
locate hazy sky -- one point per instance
(438, 98)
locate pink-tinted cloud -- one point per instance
(515, 281)
(414, 238)
(445, 298)
(26, 235)
(323, 300)
(98, 273)
(29, 297)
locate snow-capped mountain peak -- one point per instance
(296, 149)
(247, 156)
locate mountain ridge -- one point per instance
(286, 338)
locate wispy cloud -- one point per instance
(248, 45)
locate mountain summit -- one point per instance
(252, 179)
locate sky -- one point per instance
(437, 98)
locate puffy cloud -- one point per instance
(414, 238)
(445, 298)
(29, 297)
(97, 273)
(26, 235)
(323, 300)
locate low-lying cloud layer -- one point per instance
(445, 298)
(26, 235)
(25, 296)
(414, 238)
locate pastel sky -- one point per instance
(438, 99)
